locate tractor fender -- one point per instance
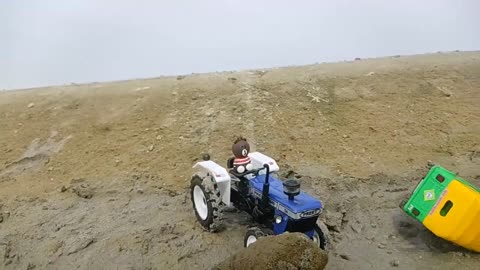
(219, 175)
(259, 160)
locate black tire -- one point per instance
(321, 231)
(254, 233)
(211, 220)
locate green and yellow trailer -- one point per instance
(448, 206)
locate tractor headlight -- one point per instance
(291, 188)
(278, 219)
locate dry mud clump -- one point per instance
(288, 251)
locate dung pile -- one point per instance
(286, 251)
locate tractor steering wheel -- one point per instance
(255, 171)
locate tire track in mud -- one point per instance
(172, 117)
(208, 129)
(250, 102)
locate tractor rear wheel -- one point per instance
(207, 203)
(253, 234)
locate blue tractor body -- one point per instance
(297, 215)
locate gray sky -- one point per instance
(51, 42)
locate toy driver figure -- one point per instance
(240, 150)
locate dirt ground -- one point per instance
(96, 176)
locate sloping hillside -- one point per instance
(96, 175)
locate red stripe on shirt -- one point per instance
(241, 161)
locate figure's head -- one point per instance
(240, 148)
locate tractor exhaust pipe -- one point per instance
(266, 187)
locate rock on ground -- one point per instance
(286, 251)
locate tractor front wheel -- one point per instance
(320, 235)
(253, 234)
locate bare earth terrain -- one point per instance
(96, 176)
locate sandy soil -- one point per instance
(95, 176)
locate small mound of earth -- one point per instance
(286, 251)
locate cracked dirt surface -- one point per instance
(95, 176)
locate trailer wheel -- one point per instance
(207, 203)
(253, 234)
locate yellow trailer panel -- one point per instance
(456, 216)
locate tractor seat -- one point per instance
(230, 163)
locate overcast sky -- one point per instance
(51, 42)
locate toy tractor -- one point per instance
(276, 206)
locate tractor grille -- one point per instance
(302, 225)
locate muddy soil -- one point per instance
(96, 176)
